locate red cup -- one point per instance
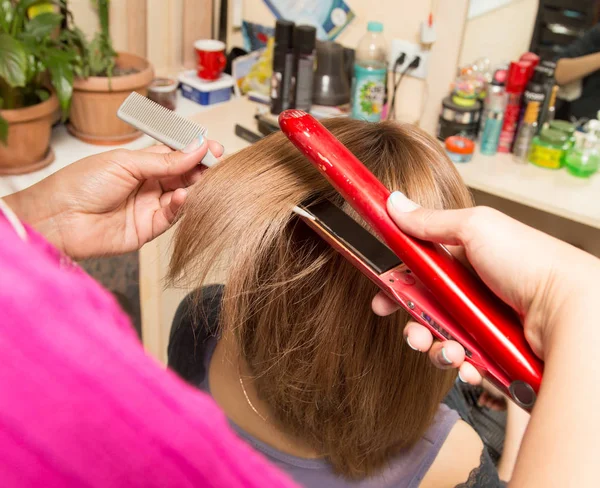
(210, 56)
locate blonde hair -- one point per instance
(332, 372)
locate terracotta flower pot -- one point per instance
(28, 146)
(94, 107)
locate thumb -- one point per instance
(160, 164)
(441, 226)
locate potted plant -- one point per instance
(107, 79)
(37, 65)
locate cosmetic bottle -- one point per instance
(526, 132)
(283, 66)
(515, 84)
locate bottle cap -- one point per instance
(499, 77)
(460, 145)
(518, 74)
(531, 57)
(375, 26)
(563, 126)
(284, 33)
(553, 136)
(305, 37)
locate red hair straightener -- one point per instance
(422, 277)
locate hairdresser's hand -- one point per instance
(113, 202)
(539, 276)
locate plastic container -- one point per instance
(458, 119)
(206, 92)
(459, 149)
(583, 160)
(370, 74)
(567, 128)
(164, 92)
(548, 148)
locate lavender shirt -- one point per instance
(80, 402)
(406, 470)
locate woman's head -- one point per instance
(332, 373)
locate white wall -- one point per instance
(500, 35)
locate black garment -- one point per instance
(588, 104)
(194, 326)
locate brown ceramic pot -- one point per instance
(28, 147)
(95, 103)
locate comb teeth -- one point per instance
(159, 122)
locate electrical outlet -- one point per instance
(410, 49)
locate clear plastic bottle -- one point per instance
(370, 74)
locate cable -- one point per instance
(412, 65)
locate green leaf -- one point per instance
(61, 75)
(3, 130)
(7, 12)
(43, 25)
(21, 14)
(13, 61)
(42, 94)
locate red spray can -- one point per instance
(518, 74)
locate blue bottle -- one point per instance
(493, 116)
(370, 75)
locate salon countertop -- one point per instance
(554, 192)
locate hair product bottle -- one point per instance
(493, 113)
(527, 130)
(283, 66)
(305, 38)
(583, 160)
(535, 91)
(515, 84)
(547, 115)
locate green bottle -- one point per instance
(583, 160)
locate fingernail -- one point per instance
(410, 345)
(209, 159)
(444, 357)
(401, 203)
(194, 145)
(461, 378)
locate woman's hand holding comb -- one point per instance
(112, 202)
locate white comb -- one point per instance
(167, 127)
(162, 124)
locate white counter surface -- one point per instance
(552, 191)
